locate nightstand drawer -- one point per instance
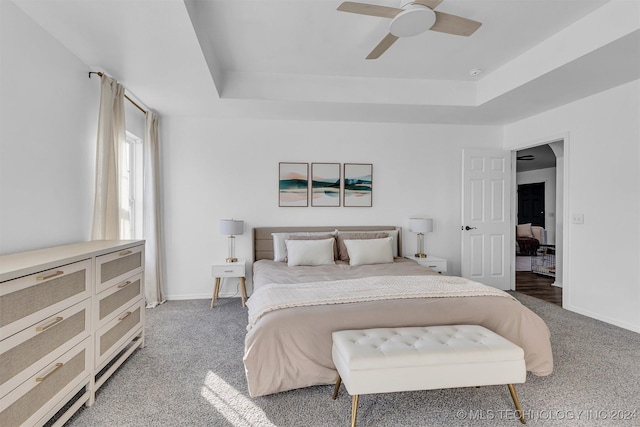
(439, 266)
(229, 270)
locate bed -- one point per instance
(294, 308)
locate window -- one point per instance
(131, 187)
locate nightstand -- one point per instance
(229, 269)
(434, 263)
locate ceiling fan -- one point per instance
(412, 18)
(526, 157)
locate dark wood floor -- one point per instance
(538, 286)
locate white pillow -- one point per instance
(370, 251)
(280, 248)
(310, 252)
(392, 233)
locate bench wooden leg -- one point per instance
(514, 396)
(337, 388)
(354, 410)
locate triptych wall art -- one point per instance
(327, 186)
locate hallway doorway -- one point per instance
(538, 204)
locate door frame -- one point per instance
(566, 216)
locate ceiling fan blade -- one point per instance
(452, 24)
(369, 9)
(432, 4)
(382, 46)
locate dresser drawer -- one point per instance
(228, 270)
(110, 302)
(41, 394)
(117, 333)
(116, 267)
(35, 347)
(31, 299)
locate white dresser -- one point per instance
(69, 316)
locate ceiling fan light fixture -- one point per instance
(414, 20)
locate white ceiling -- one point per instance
(302, 59)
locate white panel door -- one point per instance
(486, 222)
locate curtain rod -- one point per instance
(99, 73)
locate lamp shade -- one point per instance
(420, 225)
(231, 227)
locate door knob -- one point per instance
(469, 228)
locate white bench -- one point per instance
(386, 360)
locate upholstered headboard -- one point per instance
(263, 241)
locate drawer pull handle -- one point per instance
(49, 276)
(228, 271)
(124, 285)
(123, 253)
(58, 366)
(432, 266)
(125, 316)
(45, 327)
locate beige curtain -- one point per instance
(111, 137)
(154, 248)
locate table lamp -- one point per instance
(231, 228)
(420, 226)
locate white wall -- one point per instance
(217, 169)
(48, 108)
(602, 159)
(548, 177)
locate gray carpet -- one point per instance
(191, 374)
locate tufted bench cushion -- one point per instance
(421, 358)
(388, 360)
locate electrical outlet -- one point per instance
(577, 218)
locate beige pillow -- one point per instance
(318, 237)
(537, 233)
(371, 251)
(524, 230)
(310, 252)
(343, 253)
(280, 248)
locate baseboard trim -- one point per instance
(605, 319)
(199, 296)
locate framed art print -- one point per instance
(357, 184)
(325, 184)
(293, 187)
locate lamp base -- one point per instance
(231, 259)
(420, 255)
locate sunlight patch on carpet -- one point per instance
(231, 404)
